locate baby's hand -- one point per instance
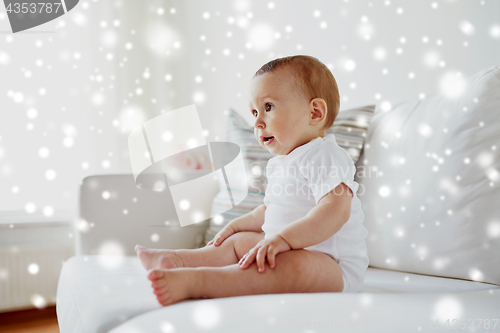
(265, 248)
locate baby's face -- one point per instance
(281, 112)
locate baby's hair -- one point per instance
(314, 80)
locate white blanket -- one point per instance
(96, 294)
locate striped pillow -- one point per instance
(350, 129)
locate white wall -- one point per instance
(91, 94)
(342, 39)
(90, 76)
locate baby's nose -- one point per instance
(259, 124)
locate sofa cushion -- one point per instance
(97, 293)
(349, 128)
(325, 312)
(429, 182)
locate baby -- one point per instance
(308, 236)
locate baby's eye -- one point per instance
(268, 106)
(254, 112)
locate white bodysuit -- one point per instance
(296, 183)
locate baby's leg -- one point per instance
(296, 271)
(229, 252)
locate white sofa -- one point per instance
(432, 213)
(95, 299)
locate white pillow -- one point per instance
(435, 206)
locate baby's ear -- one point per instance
(318, 110)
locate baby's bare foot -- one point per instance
(158, 259)
(170, 286)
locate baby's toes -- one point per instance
(162, 295)
(156, 274)
(160, 291)
(164, 298)
(158, 284)
(164, 301)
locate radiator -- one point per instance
(29, 275)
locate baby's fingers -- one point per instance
(218, 239)
(261, 259)
(271, 257)
(242, 259)
(247, 259)
(222, 235)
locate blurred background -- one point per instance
(72, 90)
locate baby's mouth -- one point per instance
(268, 140)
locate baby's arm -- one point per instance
(322, 222)
(252, 221)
